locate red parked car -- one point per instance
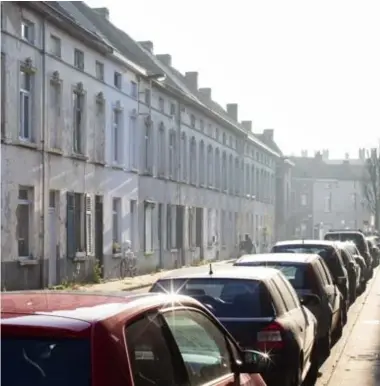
(80, 339)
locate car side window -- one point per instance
(292, 293)
(152, 362)
(202, 345)
(321, 272)
(278, 300)
(285, 295)
(327, 272)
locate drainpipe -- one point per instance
(43, 159)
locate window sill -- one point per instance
(162, 177)
(54, 150)
(80, 256)
(101, 163)
(27, 261)
(174, 250)
(117, 166)
(210, 246)
(148, 253)
(192, 249)
(147, 173)
(117, 255)
(133, 170)
(80, 157)
(224, 247)
(26, 143)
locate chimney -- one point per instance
(268, 134)
(374, 153)
(325, 154)
(304, 153)
(192, 79)
(362, 154)
(346, 156)
(148, 45)
(165, 59)
(232, 111)
(103, 11)
(206, 92)
(318, 155)
(247, 125)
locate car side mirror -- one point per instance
(352, 264)
(310, 300)
(252, 362)
(341, 280)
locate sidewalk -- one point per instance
(137, 282)
(359, 363)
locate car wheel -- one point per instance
(338, 332)
(353, 294)
(297, 377)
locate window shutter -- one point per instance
(70, 225)
(88, 224)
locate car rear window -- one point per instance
(297, 274)
(326, 252)
(356, 238)
(236, 298)
(40, 361)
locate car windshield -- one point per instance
(326, 252)
(224, 297)
(295, 273)
(40, 361)
(356, 238)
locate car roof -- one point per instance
(305, 242)
(279, 257)
(233, 272)
(84, 306)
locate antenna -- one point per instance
(210, 272)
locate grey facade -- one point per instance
(150, 159)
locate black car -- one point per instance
(374, 249)
(358, 238)
(330, 254)
(309, 275)
(260, 308)
(354, 252)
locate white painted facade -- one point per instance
(134, 178)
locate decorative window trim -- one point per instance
(118, 107)
(55, 78)
(79, 89)
(100, 100)
(27, 66)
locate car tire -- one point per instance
(354, 294)
(338, 332)
(297, 376)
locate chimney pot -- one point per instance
(165, 59)
(206, 91)
(232, 111)
(247, 125)
(192, 79)
(103, 11)
(148, 45)
(269, 134)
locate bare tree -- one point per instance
(371, 184)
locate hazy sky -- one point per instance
(308, 69)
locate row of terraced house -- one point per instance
(103, 142)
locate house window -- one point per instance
(133, 143)
(231, 174)
(78, 122)
(172, 109)
(133, 89)
(209, 227)
(237, 176)
(117, 139)
(99, 137)
(117, 80)
(79, 224)
(224, 139)
(247, 179)
(184, 156)
(116, 224)
(172, 154)
(210, 132)
(25, 132)
(202, 164)
(202, 125)
(217, 169)
(192, 227)
(3, 96)
(303, 200)
(27, 31)
(24, 221)
(148, 225)
(210, 166)
(55, 46)
(192, 121)
(193, 161)
(161, 151)
(79, 59)
(55, 114)
(328, 205)
(147, 96)
(161, 104)
(170, 227)
(148, 150)
(224, 172)
(217, 134)
(99, 70)
(223, 225)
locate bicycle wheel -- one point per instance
(123, 268)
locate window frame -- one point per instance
(79, 59)
(99, 70)
(29, 27)
(79, 101)
(25, 92)
(116, 213)
(28, 202)
(55, 46)
(118, 80)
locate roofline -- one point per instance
(68, 25)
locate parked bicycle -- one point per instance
(127, 266)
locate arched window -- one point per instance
(202, 179)
(172, 154)
(161, 153)
(184, 156)
(193, 161)
(148, 148)
(224, 172)
(210, 166)
(217, 168)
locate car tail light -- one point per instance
(270, 337)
